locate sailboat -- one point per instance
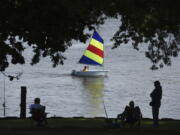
(93, 55)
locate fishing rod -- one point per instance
(105, 109)
(4, 104)
(10, 78)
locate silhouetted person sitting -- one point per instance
(156, 96)
(38, 112)
(130, 115)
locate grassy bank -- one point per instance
(85, 126)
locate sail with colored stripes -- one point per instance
(94, 54)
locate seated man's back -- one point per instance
(37, 110)
(137, 113)
(36, 106)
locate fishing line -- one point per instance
(105, 109)
(11, 77)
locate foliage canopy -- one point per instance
(48, 26)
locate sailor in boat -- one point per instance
(86, 68)
(93, 55)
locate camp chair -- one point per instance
(39, 115)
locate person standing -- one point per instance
(156, 97)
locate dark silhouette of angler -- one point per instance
(156, 96)
(131, 115)
(38, 112)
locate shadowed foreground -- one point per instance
(84, 126)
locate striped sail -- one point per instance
(94, 53)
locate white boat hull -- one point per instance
(90, 73)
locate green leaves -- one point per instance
(155, 23)
(50, 26)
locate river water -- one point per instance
(129, 78)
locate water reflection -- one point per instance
(93, 95)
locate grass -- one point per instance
(84, 126)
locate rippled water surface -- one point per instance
(129, 78)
